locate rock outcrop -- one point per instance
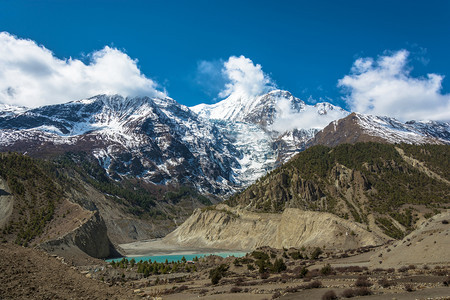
(234, 228)
(6, 203)
(90, 237)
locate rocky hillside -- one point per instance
(132, 209)
(35, 211)
(69, 204)
(385, 187)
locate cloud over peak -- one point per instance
(31, 75)
(245, 79)
(237, 77)
(385, 87)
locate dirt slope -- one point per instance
(429, 244)
(32, 274)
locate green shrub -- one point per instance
(260, 255)
(279, 266)
(326, 270)
(296, 255)
(217, 273)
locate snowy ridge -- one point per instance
(277, 111)
(412, 132)
(7, 110)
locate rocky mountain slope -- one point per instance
(69, 206)
(380, 185)
(34, 211)
(338, 198)
(157, 140)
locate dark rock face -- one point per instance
(92, 237)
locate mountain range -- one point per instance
(215, 148)
(145, 164)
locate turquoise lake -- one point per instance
(178, 257)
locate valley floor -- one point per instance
(416, 267)
(32, 274)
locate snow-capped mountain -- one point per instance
(249, 109)
(268, 129)
(219, 148)
(364, 128)
(157, 140)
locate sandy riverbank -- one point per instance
(159, 247)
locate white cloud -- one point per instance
(31, 75)
(245, 78)
(385, 87)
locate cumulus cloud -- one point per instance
(31, 75)
(245, 79)
(385, 86)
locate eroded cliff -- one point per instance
(234, 228)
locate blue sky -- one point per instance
(305, 47)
